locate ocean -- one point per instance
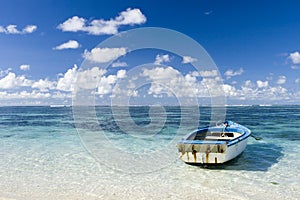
(50, 153)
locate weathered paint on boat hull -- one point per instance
(210, 153)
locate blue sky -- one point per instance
(255, 45)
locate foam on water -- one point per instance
(42, 157)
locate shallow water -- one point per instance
(43, 157)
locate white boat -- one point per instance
(214, 145)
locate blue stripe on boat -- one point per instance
(202, 142)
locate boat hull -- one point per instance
(207, 155)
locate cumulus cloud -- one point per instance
(188, 59)
(281, 80)
(230, 73)
(107, 83)
(121, 73)
(11, 80)
(24, 95)
(24, 67)
(262, 84)
(162, 59)
(160, 73)
(66, 82)
(103, 55)
(44, 85)
(205, 73)
(165, 82)
(101, 26)
(12, 29)
(259, 91)
(229, 90)
(71, 44)
(264, 91)
(73, 24)
(169, 80)
(89, 78)
(295, 57)
(80, 79)
(29, 29)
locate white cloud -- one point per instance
(257, 92)
(121, 73)
(66, 82)
(281, 80)
(71, 44)
(11, 81)
(106, 84)
(295, 57)
(24, 95)
(205, 73)
(103, 55)
(44, 85)
(12, 29)
(29, 29)
(131, 17)
(89, 78)
(119, 64)
(171, 82)
(262, 84)
(24, 67)
(229, 90)
(101, 26)
(188, 59)
(161, 59)
(165, 82)
(73, 24)
(160, 73)
(230, 73)
(80, 79)
(248, 83)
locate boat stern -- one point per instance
(202, 153)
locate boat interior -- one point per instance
(213, 135)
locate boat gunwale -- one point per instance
(244, 135)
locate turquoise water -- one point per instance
(43, 157)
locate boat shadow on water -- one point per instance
(256, 157)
